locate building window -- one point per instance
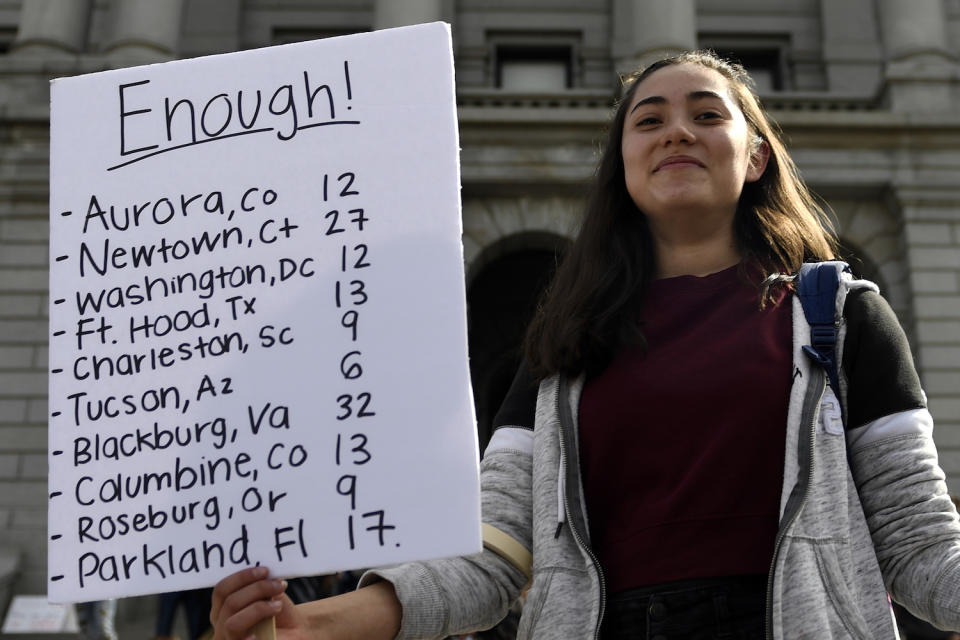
(533, 62)
(764, 66)
(765, 59)
(534, 69)
(7, 36)
(287, 35)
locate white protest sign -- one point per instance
(257, 316)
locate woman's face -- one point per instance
(686, 146)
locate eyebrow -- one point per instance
(693, 95)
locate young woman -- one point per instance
(666, 394)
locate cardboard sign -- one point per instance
(257, 317)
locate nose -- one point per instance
(678, 130)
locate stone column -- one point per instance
(919, 68)
(851, 51)
(931, 234)
(645, 30)
(145, 30)
(52, 27)
(400, 13)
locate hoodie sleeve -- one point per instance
(893, 459)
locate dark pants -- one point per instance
(726, 608)
(196, 608)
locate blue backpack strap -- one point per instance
(817, 285)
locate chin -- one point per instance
(681, 202)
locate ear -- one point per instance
(758, 162)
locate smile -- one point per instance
(678, 162)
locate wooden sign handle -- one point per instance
(266, 629)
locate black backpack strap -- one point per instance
(816, 285)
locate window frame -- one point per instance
(534, 46)
(749, 49)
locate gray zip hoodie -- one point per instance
(864, 511)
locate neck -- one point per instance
(699, 256)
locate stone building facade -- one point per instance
(864, 90)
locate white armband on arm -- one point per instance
(507, 547)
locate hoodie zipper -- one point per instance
(812, 400)
(566, 420)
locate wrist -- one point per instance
(372, 612)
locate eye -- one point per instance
(647, 121)
(710, 115)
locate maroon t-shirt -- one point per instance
(682, 444)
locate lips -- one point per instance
(678, 162)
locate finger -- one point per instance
(287, 615)
(235, 581)
(240, 625)
(250, 594)
(237, 589)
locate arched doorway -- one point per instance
(501, 300)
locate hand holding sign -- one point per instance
(258, 349)
(247, 597)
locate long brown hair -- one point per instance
(590, 309)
